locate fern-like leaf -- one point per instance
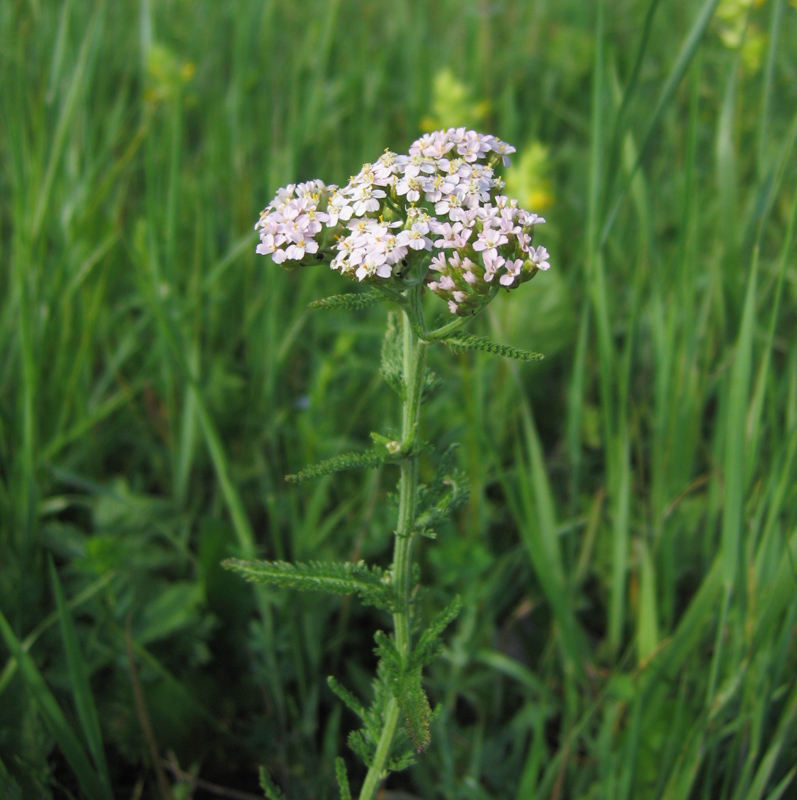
(429, 644)
(359, 744)
(316, 576)
(468, 342)
(392, 366)
(448, 492)
(351, 300)
(405, 683)
(270, 789)
(457, 496)
(431, 383)
(367, 460)
(343, 779)
(349, 700)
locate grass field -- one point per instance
(628, 558)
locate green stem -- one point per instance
(414, 362)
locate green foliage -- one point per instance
(448, 492)
(90, 779)
(270, 789)
(463, 341)
(364, 741)
(347, 697)
(81, 689)
(430, 644)
(405, 684)
(350, 301)
(392, 367)
(372, 458)
(370, 584)
(343, 779)
(157, 377)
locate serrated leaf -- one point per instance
(367, 460)
(448, 492)
(428, 645)
(343, 779)
(431, 383)
(392, 363)
(458, 494)
(405, 683)
(316, 576)
(270, 789)
(360, 745)
(415, 706)
(349, 700)
(351, 300)
(468, 342)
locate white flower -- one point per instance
(492, 263)
(374, 264)
(417, 241)
(526, 218)
(489, 239)
(367, 200)
(539, 258)
(411, 187)
(450, 205)
(503, 149)
(513, 268)
(438, 263)
(450, 171)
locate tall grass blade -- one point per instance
(79, 679)
(735, 462)
(66, 738)
(687, 52)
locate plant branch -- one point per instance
(414, 359)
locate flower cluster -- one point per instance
(440, 205)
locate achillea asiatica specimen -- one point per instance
(430, 221)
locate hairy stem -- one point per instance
(414, 362)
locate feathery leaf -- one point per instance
(469, 342)
(316, 576)
(349, 700)
(392, 366)
(351, 300)
(405, 683)
(446, 493)
(343, 779)
(429, 644)
(270, 789)
(367, 460)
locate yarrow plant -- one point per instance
(432, 221)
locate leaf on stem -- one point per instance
(350, 300)
(429, 644)
(349, 700)
(445, 494)
(367, 460)
(343, 779)
(405, 683)
(315, 576)
(270, 789)
(469, 342)
(392, 365)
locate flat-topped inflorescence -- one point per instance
(440, 207)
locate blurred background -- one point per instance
(627, 559)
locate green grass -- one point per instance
(628, 559)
